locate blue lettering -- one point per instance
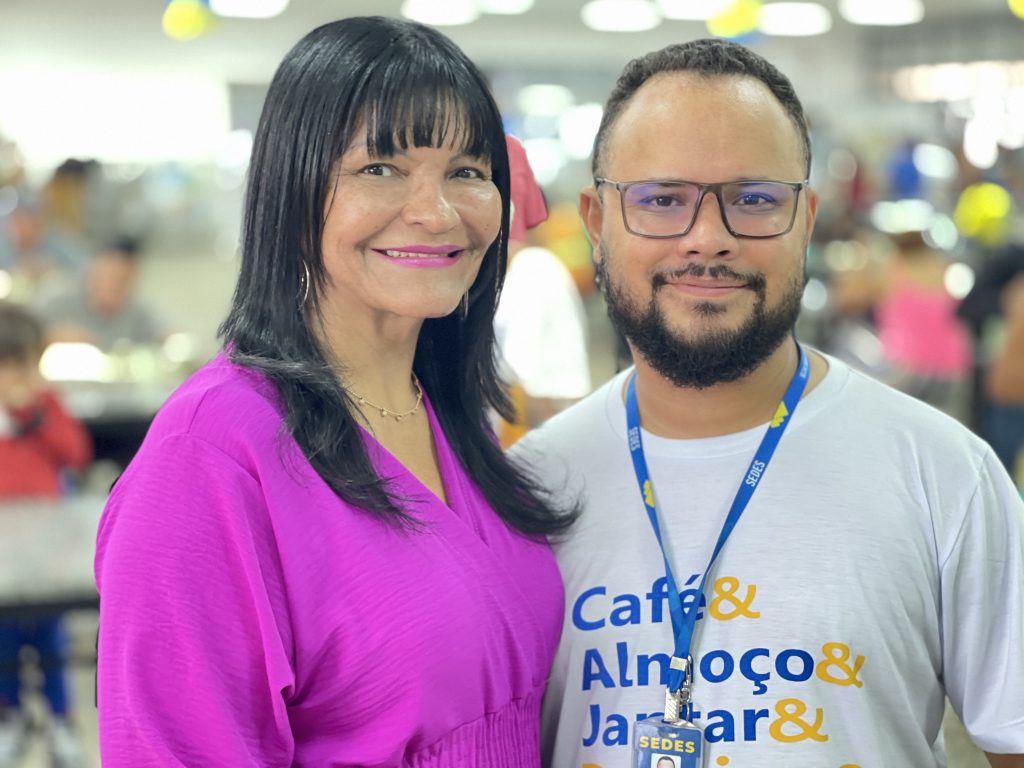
(658, 598)
(643, 668)
(628, 611)
(747, 669)
(622, 652)
(617, 732)
(594, 670)
(709, 674)
(577, 610)
(750, 718)
(782, 665)
(722, 730)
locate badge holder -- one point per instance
(671, 741)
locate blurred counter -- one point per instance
(46, 555)
(117, 414)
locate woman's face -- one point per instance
(404, 235)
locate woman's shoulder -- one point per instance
(221, 402)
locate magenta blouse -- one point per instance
(248, 617)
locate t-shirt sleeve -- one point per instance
(194, 666)
(983, 615)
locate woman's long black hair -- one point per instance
(408, 85)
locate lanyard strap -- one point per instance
(683, 622)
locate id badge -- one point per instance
(661, 744)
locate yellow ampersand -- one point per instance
(791, 711)
(837, 655)
(726, 589)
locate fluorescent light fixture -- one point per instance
(448, 13)
(902, 216)
(6, 284)
(248, 9)
(620, 15)
(542, 99)
(67, 361)
(505, 7)
(942, 233)
(794, 19)
(935, 161)
(577, 127)
(546, 158)
(958, 279)
(889, 13)
(981, 143)
(692, 10)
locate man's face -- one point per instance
(705, 307)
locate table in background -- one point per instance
(46, 555)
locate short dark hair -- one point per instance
(408, 85)
(21, 334)
(708, 57)
(126, 246)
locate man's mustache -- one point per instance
(753, 280)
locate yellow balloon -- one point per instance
(186, 19)
(740, 18)
(1017, 7)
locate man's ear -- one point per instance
(592, 216)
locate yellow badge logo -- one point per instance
(780, 415)
(648, 493)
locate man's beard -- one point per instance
(712, 356)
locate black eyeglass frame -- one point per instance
(703, 189)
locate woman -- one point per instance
(319, 556)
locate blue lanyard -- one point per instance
(683, 622)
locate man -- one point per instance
(103, 310)
(877, 565)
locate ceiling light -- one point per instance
(577, 127)
(505, 7)
(620, 15)
(446, 14)
(692, 10)
(544, 99)
(882, 12)
(248, 9)
(935, 161)
(795, 19)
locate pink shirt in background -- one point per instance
(920, 332)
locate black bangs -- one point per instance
(429, 102)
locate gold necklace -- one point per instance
(385, 412)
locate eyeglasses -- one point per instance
(754, 209)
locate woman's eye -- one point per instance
(377, 169)
(470, 173)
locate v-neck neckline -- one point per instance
(448, 467)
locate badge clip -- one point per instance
(679, 704)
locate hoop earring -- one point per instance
(304, 281)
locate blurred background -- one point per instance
(125, 130)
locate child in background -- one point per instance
(39, 444)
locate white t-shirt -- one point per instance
(540, 327)
(878, 566)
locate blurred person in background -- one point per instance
(1004, 383)
(33, 252)
(926, 349)
(39, 444)
(103, 309)
(540, 324)
(320, 555)
(797, 560)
